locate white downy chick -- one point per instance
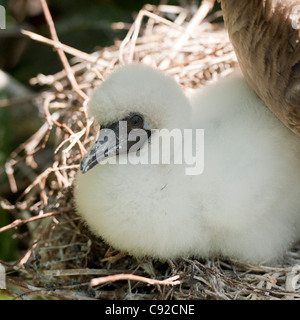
(245, 205)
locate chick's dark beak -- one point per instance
(112, 141)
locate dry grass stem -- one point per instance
(119, 277)
(60, 52)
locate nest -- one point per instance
(62, 259)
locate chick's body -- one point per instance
(245, 205)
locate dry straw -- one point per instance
(63, 259)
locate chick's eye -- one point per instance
(136, 120)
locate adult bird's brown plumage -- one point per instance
(266, 38)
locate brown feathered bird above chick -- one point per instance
(266, 38)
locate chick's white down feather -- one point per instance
(246, 203)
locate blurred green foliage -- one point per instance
(5, 131)
(7, 244)
(5, 295)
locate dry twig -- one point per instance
(19, 222)
(118, 277)
(60, 52)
